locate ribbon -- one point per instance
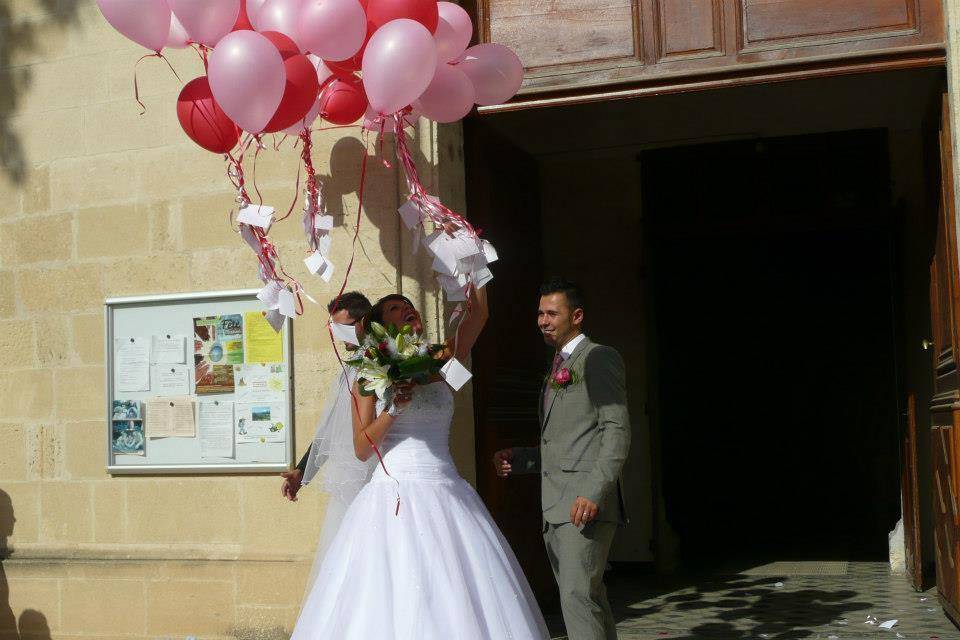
(136, 84)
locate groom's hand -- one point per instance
(291, 484)
(583, 511)
(502, 462)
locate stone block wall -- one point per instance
(98, 201)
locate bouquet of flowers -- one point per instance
(390, 354)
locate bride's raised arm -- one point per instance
(460, 345)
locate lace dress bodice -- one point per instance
(418, 443)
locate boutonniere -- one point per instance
(564, 378)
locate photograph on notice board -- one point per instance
(128, 437)
(126, 410)
(217, 346)
(261, 422)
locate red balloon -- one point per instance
(343, 101)
(299, 94)
(202, 118)
(284, 44)
(243, 21)
(380, 12)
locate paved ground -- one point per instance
(774, 607)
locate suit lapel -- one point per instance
(572, 360)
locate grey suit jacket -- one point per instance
(584, 437)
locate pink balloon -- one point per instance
(495, 70)
(282, 16)
(332, 29)
(398, 64)
(450, 95)
(207, 21)
(177, 38)
(253, 13)
(247, 78)
(389, 124)
(454, 31)
(306, 123)
(146, 22)
(324, 73)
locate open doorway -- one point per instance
(773, 283)
(760, 256)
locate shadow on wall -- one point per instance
(19, 37)
(32, 624)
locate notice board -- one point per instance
(197, 383)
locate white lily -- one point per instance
(376, 379)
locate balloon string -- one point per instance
(136, 83)
(336, 307)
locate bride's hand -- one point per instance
(403, 394)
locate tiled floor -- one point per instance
(718, 607)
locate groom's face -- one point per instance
(557, 321)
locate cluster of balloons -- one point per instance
(278, 65)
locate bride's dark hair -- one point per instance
(376, 313)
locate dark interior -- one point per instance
(773, 267)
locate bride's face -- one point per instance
(399, 313)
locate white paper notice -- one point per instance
(170, 418)
(132, 364)
(169, 349)
(455, 374)
(259, 382)
(345, 332)
(171, 380)
(256, 216)
(216, 429)
(261, 422)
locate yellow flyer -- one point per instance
(263, 343)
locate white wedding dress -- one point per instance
(440, 570)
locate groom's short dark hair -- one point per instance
(354, 303)
(572, 292)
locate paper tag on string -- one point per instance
(443, 267)
(489, 252)
(288, 304)
(455, 374)
(345, 333)
(410, 214)
(275, 319)
(482, 277)
(316, 263)
(324, 223)
(256, 216)
(248, 236)
(327, 272)
(270, 294)
(324, 242)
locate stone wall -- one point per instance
(98, 201)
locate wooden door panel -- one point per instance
(573, 49)
(945, 510)
(689, 30)
(578, 30)
(792, 22)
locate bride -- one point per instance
(439, 568)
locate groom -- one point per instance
(584, 438)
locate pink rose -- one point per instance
(563, 377)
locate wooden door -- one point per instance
(909, 482)
(944, 415)
(583, 50)
(509, 358)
